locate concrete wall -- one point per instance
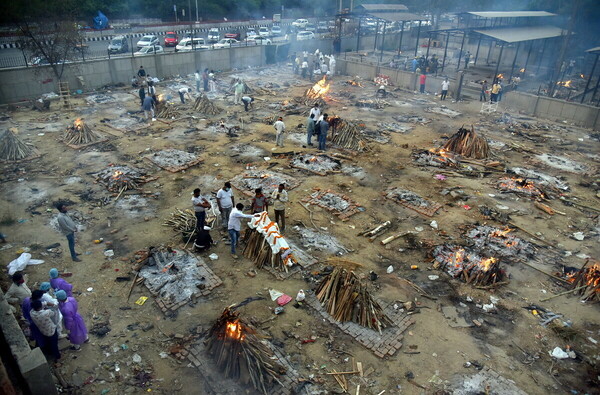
(29, 83)
(31, 364)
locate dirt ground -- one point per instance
(508, 341)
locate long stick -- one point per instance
(546, 273)
(530, 234)
(132, 285)
(563, 293)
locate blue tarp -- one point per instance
(100, 21)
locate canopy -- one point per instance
(511, 14)
(382, 7)
(396, 16)
(526, 33)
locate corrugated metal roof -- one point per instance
(526, 33)
(511, 14)
(397, 16)
(591, 50)
(383, 7)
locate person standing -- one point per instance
(205, 79)
(197, 78)
(58, 283)
(68, 228)
(331, 65)
(212, 81)
(247, 100)
(494, 93)
(35, 333)
(43, 320)
(47, 299)
(200, 205)
(315, 111)
(280, 129)
(141, 74)
(310, 129)
(279, 199)
(467, 59)
(259, 202)
(297, 64)
(18, 290)
(414, 64)
(183, 92)
(445, 86)
(74, 322)
(238, 90)
(500, 90)
(323, 128)
(225, 201)
(234, 226)
(483, 92)
(148, 107)
(304, 68)
(422, 80)
(142, 94)
(152, 90)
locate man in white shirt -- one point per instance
(43, 319)
(304, 69)
(279, 199)
(445, 86)
(200, 205)
(280, 129)
(198, 78)
(234, 226)
(183, 92)
(315, 110)
(225, 201)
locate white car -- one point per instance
(251, 35)
(149, 50)
(214, 35)
(258, 40)
(226, 43)
(186, 45)
(147, 40)
(276, 31)
(301, 23)
(264, 32)
(301, 36)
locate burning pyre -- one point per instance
(121, 178)
(519, 185)
(319, 89)
(466, 264)
(586, 281)
(467, 143)
(79, 135)
(346, 298)
(318, 164)
(435, 157)
(240, 354)
(500, 242)
(265, 246)
(346, 134)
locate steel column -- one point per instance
(587, 85)
(418, 36)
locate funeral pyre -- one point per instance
(340, 205)
(185, 221)
(319, 89)
(173, 160)
(318, 164)
(265, 246)
(206, 107)
(80, 134)
(346, 298)
(241, 354)
(12, 148)
(467, 143)
(122, 178)
(468, 265)
(412, 200)
(586, 281)
(492, 241)
(268, 181)
(435, 157)
(166, 110)
(519, 185)
(346, 134)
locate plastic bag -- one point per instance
(21, 263)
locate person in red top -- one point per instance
(259, 202)
(422, 80)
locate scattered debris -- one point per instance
(412, 200)
(340, 205)
(173, 160)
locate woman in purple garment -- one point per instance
(73, 321)
(26, 308)
(58, 283)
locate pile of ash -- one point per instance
(492, 241)
(319, 164)
(320, 241)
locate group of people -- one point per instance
(238, 95)
(317, 125)
(308, 66)
(232, 213)
(49, 311)
(495, 91)
(422, 65)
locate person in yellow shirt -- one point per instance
(279, 199)
(496, 88)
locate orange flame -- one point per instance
(566, 84)
(522, 70)
(117, 174)
(500, 76)
(234, 330)
(319, 89)
(487, 264)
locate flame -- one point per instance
(319, 89)
(582, 76)
(519, 185)
(354, 83)
(501, 233)
(522, 70)
(78, 123)
(160, 97)
(313, 159)
(566, 84)
(500, 76)
(234, 330)
(117, 174)
(487, 264)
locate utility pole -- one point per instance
(197, 20)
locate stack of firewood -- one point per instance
(205, 106)
(467, 143)
(13, 148)
(167, 111)
(240, 354)
(259, 251)
(182, 221)
(587, 281)
(346, 298)
(346, 135)
(270, 119)
(80, 134)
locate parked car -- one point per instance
(310, 28)
(233, 34)
(187, 45)
(322, 27)
(258, 40)
(226, 43)
(118, 44)
(304, 35)
(214, 35)
(276, 31)
(251, 34)
(147, 40)
(264, 32)
(171, 39)
(149, 50)
(300, 23)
